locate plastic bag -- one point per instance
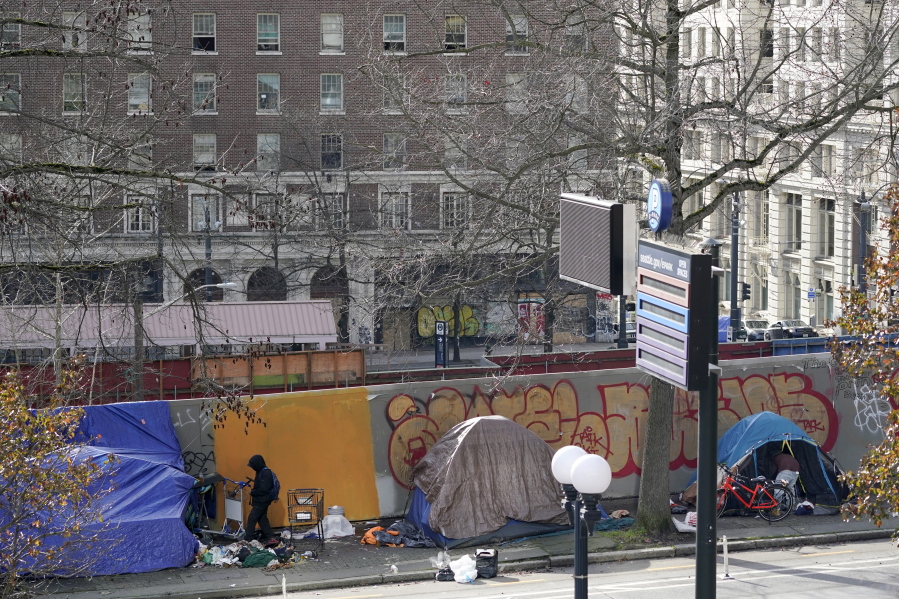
(464, 569)
(487, 562)
(337, 526)
(442, 561)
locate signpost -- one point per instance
(811, 294)
(675, 318)
(440, 344)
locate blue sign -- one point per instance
(811, 293)
(659, 205)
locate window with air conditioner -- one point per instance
(332, 33)
(394, 33)
(456, 35)
(268, 32)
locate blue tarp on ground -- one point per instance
(141, 429)
(420, 511)
(143, 519)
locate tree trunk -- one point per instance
(654, 511)
(457, 327)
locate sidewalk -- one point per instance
(345, 562)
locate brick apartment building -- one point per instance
(294, 148)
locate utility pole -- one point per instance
(707, 456)
(864, 210)
(137, 304)
(735, 312)
(208, 270)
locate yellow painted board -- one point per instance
(311, 439)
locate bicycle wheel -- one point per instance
(785, 501)
(721, 502)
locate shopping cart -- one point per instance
(232, 524)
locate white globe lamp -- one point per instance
(591, 474)
(563, 460)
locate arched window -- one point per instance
(267, 285)
(197, 279)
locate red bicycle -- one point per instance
(773, 501)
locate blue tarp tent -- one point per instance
(143, 513)
(751, 444)
(143, 519)
(141, 429)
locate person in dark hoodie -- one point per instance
(260, 500)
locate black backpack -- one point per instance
(276, 486)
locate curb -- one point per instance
(516, 566)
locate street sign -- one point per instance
(811, 293)
(440, 344)
(675, 315)
(597, 243)
(659, 205)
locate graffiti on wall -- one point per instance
(427, 317)
(615, 430)
(193, 427)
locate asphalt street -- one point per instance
(868, 569)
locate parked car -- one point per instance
(789, 329)
(755, 329)
(630, 331)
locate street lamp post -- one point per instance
(584, 477)
(735, 311)
(864, 212)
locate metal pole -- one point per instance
(580, 552)
(622, 321)
(706, 535)
(735, 314)
(208, 269)
(863, 238)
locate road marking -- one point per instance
(670, 568)
(358, 596)
(499, 584)
(828, 553)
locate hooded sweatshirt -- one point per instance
(263, 483)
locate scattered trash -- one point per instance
(442, 561)
(445, 575)
(336, 525)
(677, 508)
(464, 569)
(691, 519)
(683, 526)
(619, 514)
(393, 568)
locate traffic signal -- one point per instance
(746, 292)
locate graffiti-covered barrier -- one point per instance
(360, 444)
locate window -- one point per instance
(268, 89)
(394, 151)
(395, 210)
(330, 211)
(204, 151)
(331, 92)
(517, 34)
(687, 43)
(693, 149)
(826, 227)
(10, 97)
(575, 33)
(73, 92)
(800, 44)
(11, 33)
(865, 167)
(455, 38)
(139, 93)
(10, 148)
(139, 33)
(79, 214)
(268, 152)
(455, 156)
(822, 161)
(700, 42)
(394, 93)
(332, 33)
(454, 210)
(455, 88)
(332, 151)
(204, 211)
(267, 211)
(767, 86)
(827, 288)
(74, 37)
(766, 42)
(268, 33)
(716, 42)
(516, 92)
(204, 32)
(760, 215)
(237, 212)
(394, 33)
(204, 92)
(794, 222)
(577, 155)
(138, 216)
(141, 156)
(793, 294)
